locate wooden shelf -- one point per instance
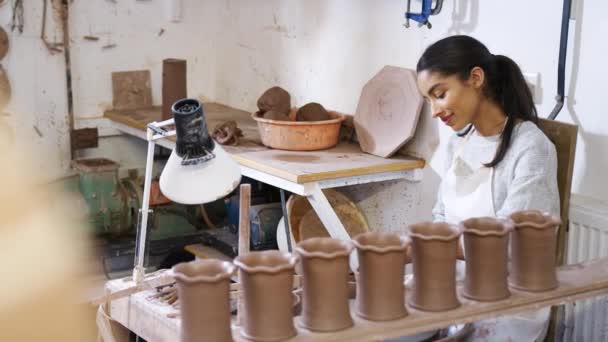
(149, 318)
(344, 160)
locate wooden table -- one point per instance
(303, 173)
(156, 321)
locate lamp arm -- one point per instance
(142, 229)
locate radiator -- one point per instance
(587, 320)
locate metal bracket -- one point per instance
(423, 17)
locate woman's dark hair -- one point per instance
(504, 82)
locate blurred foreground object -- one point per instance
(43, 254)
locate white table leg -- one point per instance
(330, 220)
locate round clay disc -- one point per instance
(3, 43)
(5, 89)
(310, 225)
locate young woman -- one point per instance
(499, 161)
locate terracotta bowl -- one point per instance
(300, 135)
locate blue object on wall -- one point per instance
(423, 17)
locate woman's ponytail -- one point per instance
(509, 89)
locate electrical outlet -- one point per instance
(533, 81)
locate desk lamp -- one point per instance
(198, 170)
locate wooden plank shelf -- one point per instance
(155, 321)
(344, 160)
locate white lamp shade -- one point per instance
(201, 183)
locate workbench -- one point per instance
(302, 173)
(156, 321)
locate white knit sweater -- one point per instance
(525, 179)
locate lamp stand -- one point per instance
(155, 131)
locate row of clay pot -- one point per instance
(266, 277)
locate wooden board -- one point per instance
(344, 160)
(131, 89)
(388, 111)
(149, 319)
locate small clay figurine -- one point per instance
(275, 99)
(312, 112)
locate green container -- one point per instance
(105, 199)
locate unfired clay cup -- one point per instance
(325, 284)
(533, 247)
(203, 289)
(486, 245)
(266, 281)
(380, 289)
(434, 250)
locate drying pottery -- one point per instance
(388, 111)
(202, 285)
(434, 249)
(533, 245)
(312, 112)
(174, 85)
(266, 280)
(486, 244)
(325, 284)
(380, 289)
(275, 98)
(274, 115)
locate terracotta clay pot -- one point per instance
(266, 279)
(202, 285)
(325, 284)
(300, 135)
(434, 249)
(486, 247)
(380, 289)
(533, 245)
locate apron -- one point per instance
(467, 193)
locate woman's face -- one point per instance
(454, 101)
